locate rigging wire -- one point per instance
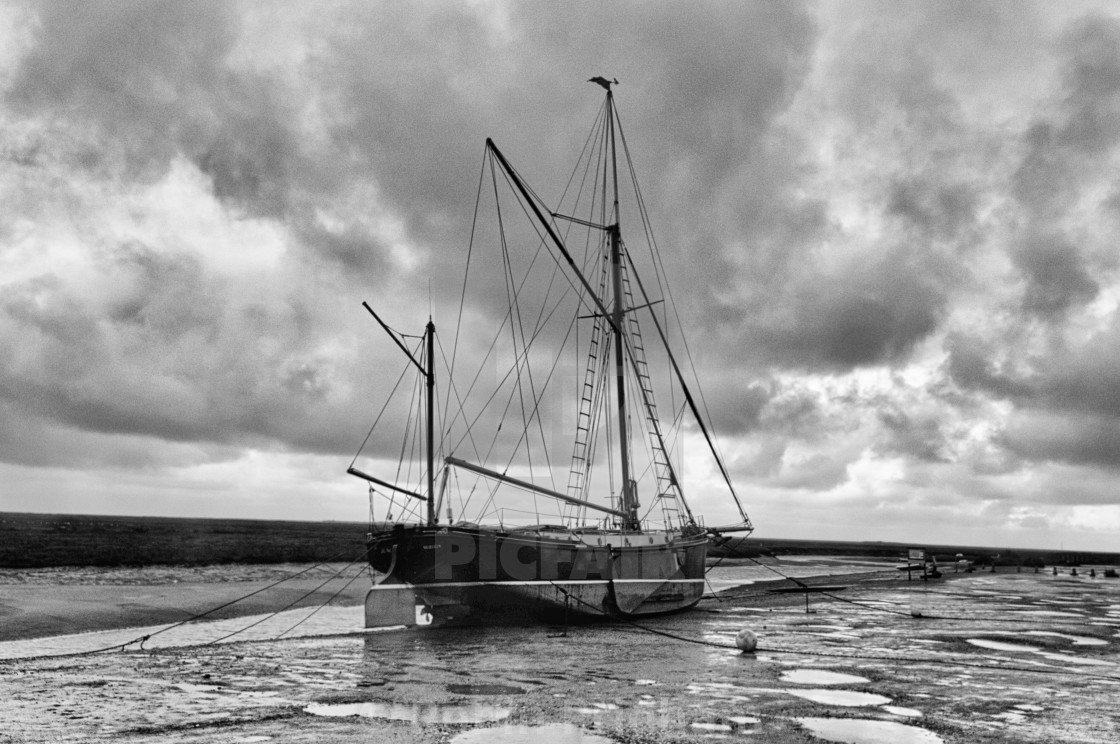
(381, 413)
(497, 335)
(466, 276)
(488, 159)
(598, 138)
(592, 163)
(526, 341)
(411, 432)
(666, 291)
(517, 326)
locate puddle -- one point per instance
(823, 627)
(598, 708)
(721, 690)
(484, 689)
(558, 733)
(858, 731)
(1001, 646)
(1077, 640)
(1023, 648)
(904, 712)
(711, 726)
(846, 698)
(414, 713)
(821, 677)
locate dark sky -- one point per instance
(891, 228)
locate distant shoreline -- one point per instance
(55, 540)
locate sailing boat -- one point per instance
(600, 552)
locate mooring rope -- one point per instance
(880, 608)
(144, 638)
(311, 614)
(294, 602)
(860, 657)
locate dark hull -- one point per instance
(435, 575)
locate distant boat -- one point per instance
(605, 549)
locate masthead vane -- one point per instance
(603, 81)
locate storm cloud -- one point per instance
(889, 229)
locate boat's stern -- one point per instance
(391, 605)
(404, 559)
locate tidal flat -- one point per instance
(979, 657)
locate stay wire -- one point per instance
(466, 275)
(659, 270)
(380, 414)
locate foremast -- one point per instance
(430, 384)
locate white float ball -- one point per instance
(746, 641)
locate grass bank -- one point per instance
(45, 540)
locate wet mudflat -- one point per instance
(993, 658)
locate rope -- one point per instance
(142, 639)
(331, 599)
(880, 608)
(106, 649)
(861, 657)
(805, 586)
(288, 606)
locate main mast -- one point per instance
(629, 497)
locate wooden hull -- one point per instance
(440, 575)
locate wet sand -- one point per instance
(994, 658)
(50, 602)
